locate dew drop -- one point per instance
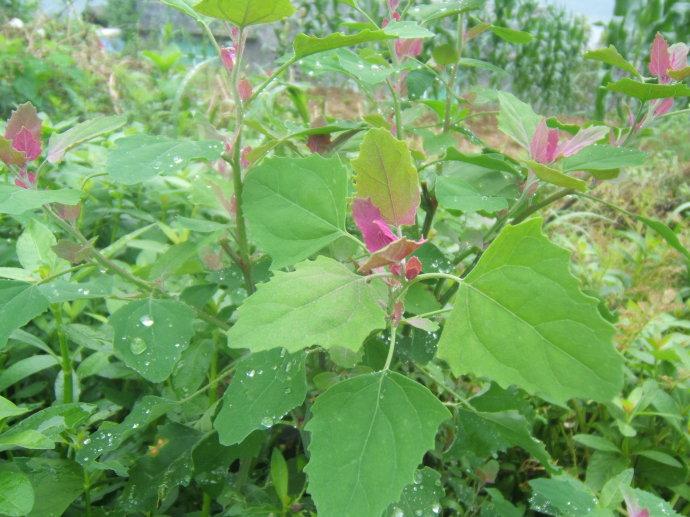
(146, 320)
(137, 346)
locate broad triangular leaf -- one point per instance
(296, 206)
(16, 200)
(517, 119)
(266, 385)
(422, 498)
(142, 157)
(520, 318)
(150, 336)
(60, 144)
(320, 303)
(246, 12)
(386, 175)
(368, 435)
(19, 304)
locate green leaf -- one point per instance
(25, 368)
(279, 476)
(484, 434)
(680, 75)
(612, 57)
(438, 10)
(16, 492)
(668, 235)
(493, 161)
(368, 435)
(184, 7)
(320, 303)
(150, 336)
(386, 174)
(517, 119)
(51, 422)
(167, 465)
(57, 483)
(8, 409)
(16, 201)
(246, 12)
(286, 217)
(61, 290)
(520, 318)
(556, 177)
(305, 45)
(472, 188)
(110, 437)
(562, 495)
(407, 30)
(422, 498)
(612, 492)
(35, 249)
(647, 91)
(511, 35)
(20, 302)
(483, 65)
(9, 154)
(60, 144)
(656, 506)
(595, 442)
(142, 157)
(445, 54)
(266, 385)
(603, 157)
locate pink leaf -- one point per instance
(678, 56)
(245, 161)
(544, 143)
(391, 255)
(245, 90)
(25, 142)
(319, 143)
(227, 57)
(663, 106)
(408, 47)
(634, 510)
(659, 62)
(69, 213)
(370, 222)
(25, 116)
(413, 268)
(583, 138)
(25, 180)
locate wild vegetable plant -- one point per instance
(350, 313)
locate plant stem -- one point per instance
(450, 87)
(66, 360)
(398, 112)
(236, 164)
(391, 348)
(542, 204)
(87, 495)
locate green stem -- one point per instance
(542, 204)
(66, 360)
(272, 78)
(398, 112)
(450, 91)
(87, 495)
(236, 163)
(391, 348)
(206, 505)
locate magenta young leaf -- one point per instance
(370, 222)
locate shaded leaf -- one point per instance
(20, 302)
(16, 492)
(16, 201)
(60, 144)
(474, 188)
(246, 12)
(266, 385)
(517, 119)
(150, 336)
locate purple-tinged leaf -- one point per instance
(9, 154)
(544, 143)
(370, 222)
(660, 62)
(678, 56)
(584, 138)
(27, 143)
(391, 254)
(25, 116)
